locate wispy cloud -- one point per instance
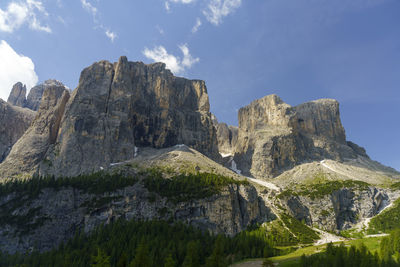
(91, 9)
(174, 63)
(182, 1)
(20, 13)
(187, 60)
(111, 35)
(196, 25)
(14, 68)
(167, 3)
(160, 30)
(218, 9)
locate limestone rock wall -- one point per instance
(64, 211)
(31, 148)
(14, 121)
(17, 95)
(118, 107)
(36, 93)
(227, 136)
(340, 210)
(274, 137)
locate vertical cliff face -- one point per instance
(227, 136)
(122, 106)
(267, 141)
(14, 121)
(17, 96)
(267, 113)
(30, 149)
(321, 118)
(274, 137)
(36, 93)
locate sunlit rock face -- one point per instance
(274, 137)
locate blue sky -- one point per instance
(299, 49)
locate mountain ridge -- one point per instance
(138, 123)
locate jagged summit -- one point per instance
(29, 150)
(152, 131)
(274, 137)
(116, 108)
(32, 101)
(17, 95)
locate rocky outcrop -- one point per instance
(321, 118)
(35, 94)
(274, 137)
(14, 121)
(119, 107)
(17, 96)
(226, 136)
(30, 149)
(55, 215)
(115, 109)
(340, 210)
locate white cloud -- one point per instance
(175, 64)
(111, 35)
(218, 9)
(14, 68)
(168, 8)
(89, 7)
(182, 1)
(196, 26)
(19, 13)
(35, 25)
(187, 60)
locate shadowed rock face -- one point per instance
(226, 136)
(35, 94)
(17, 96)
(273, 136)
(115, 109)
(30, 149)
(124, 105)
(14, 121)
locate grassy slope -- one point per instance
(293, 258)
(290, 259)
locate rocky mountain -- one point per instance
(116, 108)
(274, 137)
(35, 94)
(18, 95)
(129, 130)
(227, 137)
(14, 121)
(31, 148)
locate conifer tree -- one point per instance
(169, 261)
(142, 258)
(101, 259)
